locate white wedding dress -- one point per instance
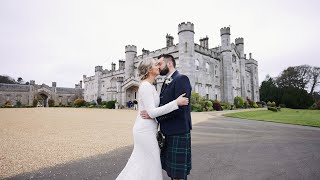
(144, 162)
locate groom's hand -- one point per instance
(145, 115)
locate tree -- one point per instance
(297, 76)
(296, 98)
(303, 75)
(7, 79)
(269, 90)
(20, 80)
(315, 78)
(288, 78)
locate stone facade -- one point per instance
(26, 93)
(220, 73)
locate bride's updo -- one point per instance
(144, 66)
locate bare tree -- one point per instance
(304, 75)
(315, 78)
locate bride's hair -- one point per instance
(144, 66)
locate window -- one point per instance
(197, 88)
(234, 59)
(197, 65)
(207, 67)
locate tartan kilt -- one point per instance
(176, 156)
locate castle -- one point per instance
(25, 94)
(220, 73)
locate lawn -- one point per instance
(288, 116)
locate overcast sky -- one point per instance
(61, 40)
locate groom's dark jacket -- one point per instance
(178, 121)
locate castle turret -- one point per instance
(113, 66)
(131, 52)
(169, 40)
(252, 64)
(32, 82)
(54, 84)
(97, 82)
(121, 65)
(240, 48)
(226, 56)
(186, 50)
(98, 69)
(80, 84)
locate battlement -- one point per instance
(113, 73)
(156, 53)
(205, 51)
(251, 62)
(225, 31)
(131, 48)
(239, 41)
(14, 87)
(98, 68)
(188, 26)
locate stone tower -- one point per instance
(97, 81)
(240, 48)
(186, 50)
(226, 56)
(131, 53)
(253, 66)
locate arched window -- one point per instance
(197, 64)
(207, 67)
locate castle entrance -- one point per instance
(42, 100)
(131, 95)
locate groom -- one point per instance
(176, 126)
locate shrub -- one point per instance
(195, 98)
(246, 104)
(99, 100)
(104, 103)
(216, 105)
(250, 102)
(51, 102)
(273, 104)
(208, 105)
(318, 105)
(79, 102)
(255, 105)
(8, 104)
(18, 104)
(35, 102)
(269, 104)
(239, 102)
(225, 105)
(274, 109)
(92, 103)
(196, 108)
(111, 104)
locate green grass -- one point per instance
(288, 116)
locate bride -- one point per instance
(144, 162)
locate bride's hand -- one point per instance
(144, 114)
(182, 101)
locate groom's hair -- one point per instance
(169, 57)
